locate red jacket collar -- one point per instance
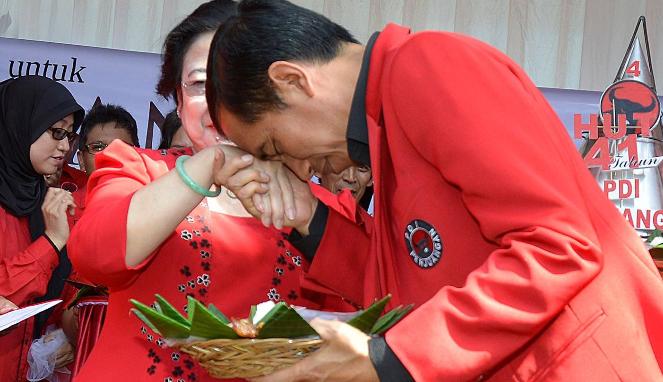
(391, 37)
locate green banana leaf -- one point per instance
(284, 322)
(215, 311)
(252, 312)
(165, 308)
(206, 324)
(390, 319)
(160, 323)
(366, 319)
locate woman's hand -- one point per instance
(6, 306)
(65, 353)
(56, 204)
(70, 324)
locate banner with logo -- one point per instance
(94, 75)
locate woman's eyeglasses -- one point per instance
(59, 134)
(95, 147)
(194, 88)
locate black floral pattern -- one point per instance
(203, 279)
(177, 371)
(273, 295)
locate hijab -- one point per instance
(29, 105)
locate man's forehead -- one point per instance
(249, 137)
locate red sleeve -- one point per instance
(480, 121)
(334, 267)
(25, 275)
(97, 246)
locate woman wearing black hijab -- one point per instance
(38, 120)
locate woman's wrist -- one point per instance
(55, 241)
(200, 167)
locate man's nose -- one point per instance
(350, 175)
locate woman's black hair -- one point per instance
(206, 18)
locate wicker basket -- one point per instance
(248, 358)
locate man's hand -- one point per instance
(343, 357)
(271, 192)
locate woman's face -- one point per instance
(192, 105)
(47, 154)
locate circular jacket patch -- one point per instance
(423, 243)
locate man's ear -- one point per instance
(290, 80)
(370, 183)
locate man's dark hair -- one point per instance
(206, 18)
(171, 124)
(101, 114)
(263, 32)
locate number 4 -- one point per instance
(634, 69)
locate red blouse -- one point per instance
(25, 268)
(233, 262)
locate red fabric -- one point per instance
(91, 315)
(540, 277)
(25, 269)
(231, 261)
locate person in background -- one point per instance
(486, 217)
(358, 180)
(149, 229)
(102, 125)
(172, 133)
(38, 120)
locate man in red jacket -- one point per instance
(485, 217)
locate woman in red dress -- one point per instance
(38, 117)
(145, 231)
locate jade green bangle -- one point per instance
(179, 165)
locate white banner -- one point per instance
(112, 76)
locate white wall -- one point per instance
(575, 44)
